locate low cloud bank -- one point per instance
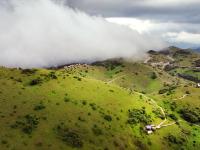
(46, 33)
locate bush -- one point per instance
(162, 91)
(39, 106)
(109, 64)
(35, 81)
(66, 99)
(93, 106)
(84, 102)
(68, 136)
(187, 92)
(175, 140)
(172, 116)
(28, 71)
(78, 78)
(52, 75)
(173, 106)
(167, 90)
(108, 117)
(111, 91)
(96, 130)
(153, 75)
(27, 124)
(158, 113)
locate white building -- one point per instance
(198, 85)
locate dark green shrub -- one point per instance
(4, 142)
(175, 140)
(93, 106)
(158, 113)
(70, 137)
(172, 116)
(35, 81)
(81, 119)
(173, 106)
(190, 114)
(84, 102)
(39, 106)
(96, 130)
(66, 99)
(78, 78)
(18, 80)
(187, 92)
(28, 71)
(27, 124)
(52, 75)
(108, 117)
(153, 75)
(162, 91)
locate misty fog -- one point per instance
(44, 33)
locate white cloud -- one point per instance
(168, 31)
(183, 37)
(42, 34)
(142, 26)
(168, 2)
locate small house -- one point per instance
(150, 128)
(198, 85)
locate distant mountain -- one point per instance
(197, 49)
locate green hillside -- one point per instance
(102, 106)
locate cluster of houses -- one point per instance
(161, 65)
(150, 129)
(73, 66)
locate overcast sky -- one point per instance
(176, 21)
(43, 33)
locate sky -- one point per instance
(175, 21)
(47, 33)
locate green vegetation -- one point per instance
(191, 114)
(178, 141)
(138, 116)
(27, 124)
(68, 136)
(35, 81)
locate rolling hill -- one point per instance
(104, 105)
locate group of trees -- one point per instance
(168, 90)
(27, 124)
(109, 64)
(191, 114)
(138, 116)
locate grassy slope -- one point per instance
(109, 99)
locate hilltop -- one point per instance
(105, 105)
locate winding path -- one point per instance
(162, 111)
(147, 59)
(154, 102)
(182, 97)
(115, 79)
